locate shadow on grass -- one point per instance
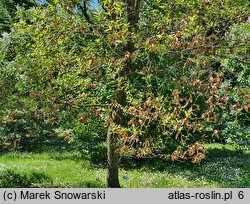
(46, 144)
(223, 152)
(226, 168)
(71, 156)
(157, 164)
(12, 179)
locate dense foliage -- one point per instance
(186, 79)
(8, 10)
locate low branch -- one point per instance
(158, 156)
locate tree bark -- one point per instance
(113, 160)
(113, 152)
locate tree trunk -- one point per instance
(112, 142)
(113, 160)
(113, 152)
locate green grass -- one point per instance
(224, 167)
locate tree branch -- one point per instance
(85, 13)
(103, 7)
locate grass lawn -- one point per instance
(224, 167)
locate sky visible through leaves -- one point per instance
(94, 3)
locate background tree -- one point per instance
(8, 10)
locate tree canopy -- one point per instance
(163, 76)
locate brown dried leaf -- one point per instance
(84, 118)
(124, 149)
